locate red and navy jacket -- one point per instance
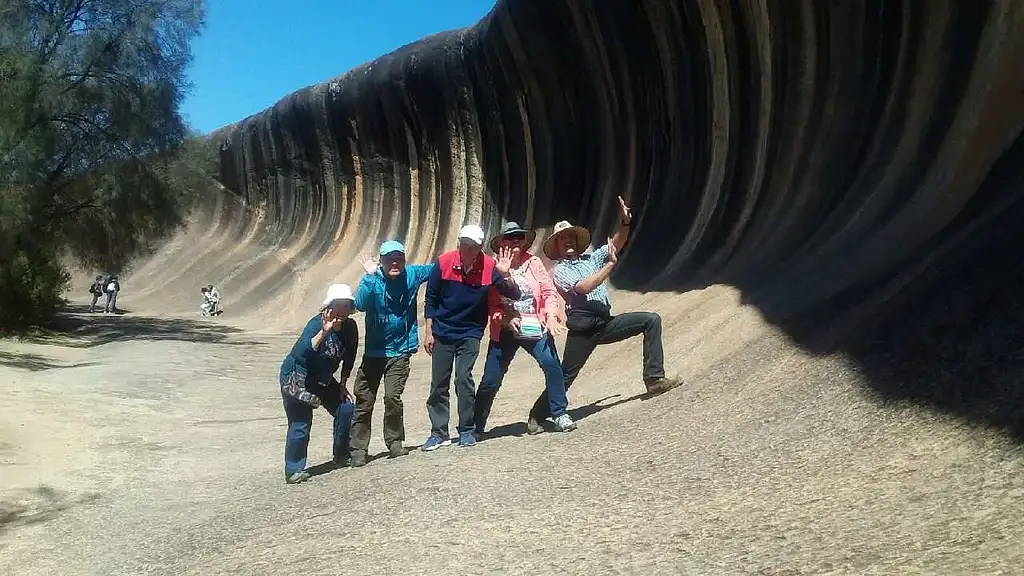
(456, 299)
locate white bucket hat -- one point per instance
(338, 292)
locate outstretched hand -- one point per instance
(625, 212)
(331, 323)
(613, 252)
(369, 263)
(504, 262)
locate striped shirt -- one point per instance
(568, 272)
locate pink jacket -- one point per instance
(546, 296)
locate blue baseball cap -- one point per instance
(391, 246)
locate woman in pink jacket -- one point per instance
(528, 323)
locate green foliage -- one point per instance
(32, 285)
(95, 159)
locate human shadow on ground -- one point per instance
(35, 362)
(37, 505)
(84, 330)
(330, 466)
(518, 429)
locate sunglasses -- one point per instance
(515, 236)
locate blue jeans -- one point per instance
(300, 418)
(500, 355)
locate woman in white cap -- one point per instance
(528, 323)
(307, 380)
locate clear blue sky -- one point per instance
(254, 52)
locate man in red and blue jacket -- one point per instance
(455, 308)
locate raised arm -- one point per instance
(420, 272)
(501, 277)
(606, 254)
(625, 221)
(364, 292)
(349, 342)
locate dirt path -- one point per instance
(155, 446)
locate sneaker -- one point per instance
(396, 450)
(467, 439)
(661, 385)
(358, 459)
(564, 423)
(297, 477)
(435, 442)
(533, 426)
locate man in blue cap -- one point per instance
(387, 295)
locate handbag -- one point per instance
(530, 328)
(294, 386)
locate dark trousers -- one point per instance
(579, 347)
(500, 355)
(95, 297)
(394, 372)
(300, 419)
(448, 353)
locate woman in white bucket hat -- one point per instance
(328, 341)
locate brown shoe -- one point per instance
(533, 427)
(396, 450)
(657, 386)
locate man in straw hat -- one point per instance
(387, 294)
(583, 279)
(455, 308)
(307, 380)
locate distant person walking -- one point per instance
(455, 307)
(387, 294)
(528, 323)
(112, 288)
(583, 279)
(96, 289)
(307, 380)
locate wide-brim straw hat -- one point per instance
(564, 227)
(513, 228)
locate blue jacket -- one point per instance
(456, 300)
(318, 368)
(390, 307)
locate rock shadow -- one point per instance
(518, 429)
(952, 340)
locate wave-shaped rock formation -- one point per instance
(853, 167)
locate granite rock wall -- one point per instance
(855, 168)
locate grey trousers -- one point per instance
(460, 354)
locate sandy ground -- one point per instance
(154, 445)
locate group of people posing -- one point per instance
(513, 294)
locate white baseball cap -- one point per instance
(338, 292)
(472, 232)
